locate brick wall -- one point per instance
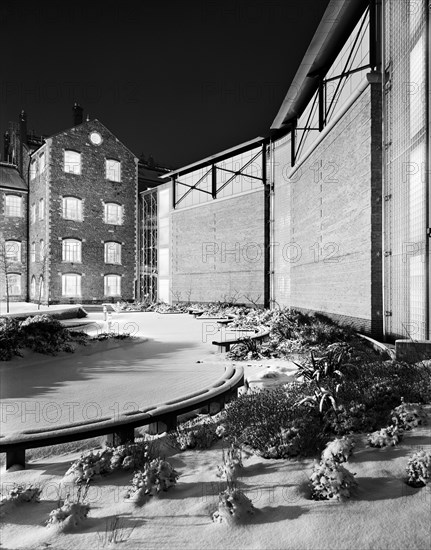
(94, 189)
(335, 200)
(218, 250)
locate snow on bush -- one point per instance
(69, 516)
(195, 434)
(391, 435)
(18, 495)
(234, 507)
(157, 475)
(232, 463)
(408, 415)
(419, 469)
(339, 450)
(129, 456)
(330, 480)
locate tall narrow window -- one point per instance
(33, 213)
(14, 284)
(13, 251)
(13, 206)
(113, 213)
(41, 163)
(72, 162)
(33, 252)
(71, 250)
(113, 170)
(112, 253)
(33, 287)
(72, 208)
(112, 285)
(41, 286)
(41, 209)
(33, 169)
(71, 284)
(41, 250)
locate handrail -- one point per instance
(121, 428)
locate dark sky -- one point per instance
(179, 80)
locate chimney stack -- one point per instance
(22, 139)
(77, 114)
(6, 146)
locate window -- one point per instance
(33, 287)
(13, 251)
(71, 284)
(112, 253)
(41, 250)
(33, 169)
(113, 170)
(13, 205)
(112, 285)
(72, 208)
(41, 209)
(33, 212)
(41, 163)
(14, 284)
(41, 286)
(113, 213)
(33, 252)
(72, 162)
(71, 250)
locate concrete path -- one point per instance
(171, 357)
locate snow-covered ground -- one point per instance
(23, 307)
(171, 356)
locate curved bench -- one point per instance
(120, 429)
(225, 345)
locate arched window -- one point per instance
(71, 284)
(13, 206)
(72, 208)
(113, 170)
(112, 253)
(41, 286)
(33, 252)
(41, 250)
(41, 209)
(71, 250)
(33, 287)
(14, 284)
(113, 213)
(112, 285)
(13, 251)
(72, 162)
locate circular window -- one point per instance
(95, 138)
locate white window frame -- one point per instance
(72, 162)
(41, 250)
(112, 252)
(33, 253)
(108, 285)
(71, 251)
(13, 251)
(71, 285)
(33, 169)
(42, 163)
(113, 170)
(16, 285)
(33, 287)
(10, 209)
(33, 212)
(72, 208)
(119, 213)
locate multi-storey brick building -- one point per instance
(82, 215)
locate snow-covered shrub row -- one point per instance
(157, 475)
(391, 435)
(104, 461)
(408, 415)
(419, 469)
(199, 433)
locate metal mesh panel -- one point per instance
(149, 246)
(405, 168)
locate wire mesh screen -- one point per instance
(405, 168)
(149, 246)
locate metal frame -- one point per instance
(149, 276)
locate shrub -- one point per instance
(408, 415)
(44, 334)
(9, 338)
(232, 463)
(198, 433)
(330, 480)
(157, 475)
(69, 515)
(338, 450)
(234, 506)
(18, 495)
(419, 469)
(391, 435)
